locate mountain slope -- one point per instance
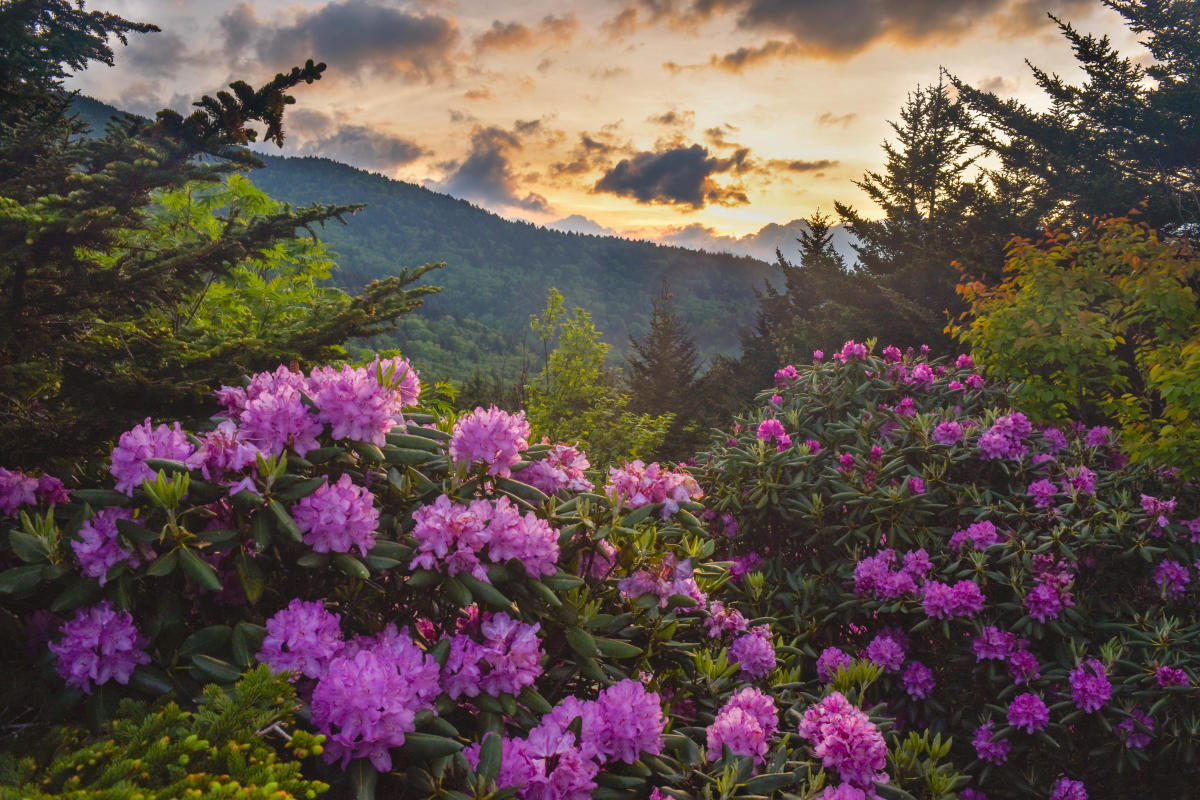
(498, 272)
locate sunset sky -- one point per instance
(690, 121)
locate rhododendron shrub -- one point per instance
(457, 610)
(1021, 589)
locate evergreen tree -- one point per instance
(91, 338)
(663, 367)
(1128, 136)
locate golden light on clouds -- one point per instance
(641, 117)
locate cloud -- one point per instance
(486, 175)
(367, 148)
(672, 118)
(594, 151)
(681, 176)
(719, 135)
(605, 73)
(353, 36)
(577, 223)
(829, 119)
(622, 25)
(551, 30)
(761, 244)
(478, 93)
(998, 84)
(799, 165)
(821, 29)
(157, 55)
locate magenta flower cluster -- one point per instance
(981, 535)
(506, 660)
(851, 349)
(97, 547)
(98, 644)
(877, 575)
(18, 489)
(987, 747)
(451, 536)
(563, 468)
(492, 437)
(302, 638)
(368, 698)
(753, 653)
(337, 518)
(942, 601)
(637, 485)
(1006, 437)
(555, 763)
(1028, 712)
(128, 464)
(772, 429)
(845, 739)
(1090, 687)
(830, 661)
(745, 724)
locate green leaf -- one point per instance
(489, 759)
(544, 591)
(164, 565)
(151, 680)
(582, 642)
(219, 670)
(247, 641)
(351, 565)
(205, 640)
(484, 592)
(250, 576)
(301, 489)
(457, 592)
(522, 490)
(20, 579)
(426, 746)
(404, 455)
(410, 442)
(285, 521)
(614, 648)
(198, 570)
(562, 582)
(80, 593)
(167, 465)
(770, 783)
(423, 579)
(367, 450)
(29, 549)
(99, 498)
(313, 560)
(137, 533)
(363, 779)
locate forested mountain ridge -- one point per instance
(498, 271)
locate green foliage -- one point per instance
(847, 489)
(100, 285)
(663, 369)
(221, 750)
(1100, 325)
(577, 398)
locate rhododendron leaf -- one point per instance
(19, 580)
(489, 759)
(260, 530)
(562, 582)
(167, 465)
(28, 548)
(615, 781)
(249, 575)
(381, 563)
(218, 669)
(614, 648)
(363, 778)
(581, 642)
(428, 433)
(410, 442)
(636, 516)
(422, 746)
(522, 490)
(80, 593)
(247, 641)
(893, 792)
(164, 564)
(284, 520)
(151, 680)
(543, 591)
(100, 498)
(457, 592)
(213, 535)
(351, 565)
(300, 489)
(421, 483)
(199, 570)
(423, 578)
(681, 601)
(402, 455)
(534, 701)
(206, 640)
(484, 593)
(323, 454)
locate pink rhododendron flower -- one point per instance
(128, 463)
(17, 489)
(918, 680)
(97, 547)
(302, 638)
(98, 644)
(337, 518)
(1028, 712)
(753, 653)
(564, 467)
(492, 437)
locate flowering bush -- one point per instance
(1022, 589)
(457, 610)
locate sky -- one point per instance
(708, 123)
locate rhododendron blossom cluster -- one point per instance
(637, 485)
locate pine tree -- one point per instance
(663, 368)
(89, 338)
(1128, 136)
